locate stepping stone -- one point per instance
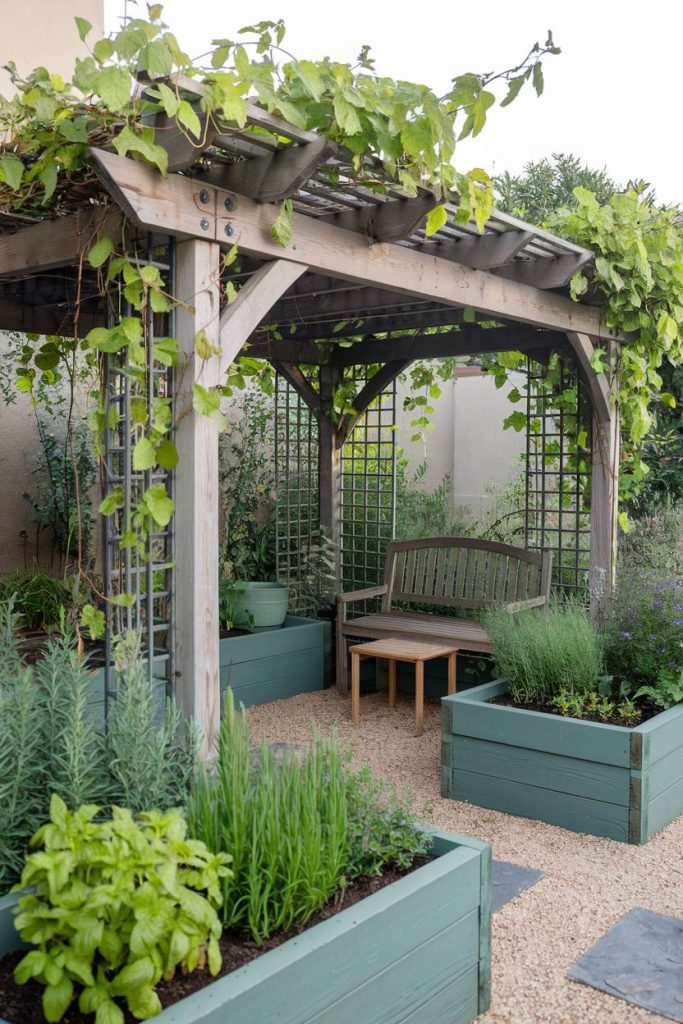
(509, 880)
(639, 960)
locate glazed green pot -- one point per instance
(261, 606)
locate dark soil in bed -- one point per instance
(21, 1004)
(648, 710)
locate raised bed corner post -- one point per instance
(197, 685)
(604, 396)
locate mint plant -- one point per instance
(117, 906)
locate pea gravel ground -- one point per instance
(589, 883)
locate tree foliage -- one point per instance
(546, 186)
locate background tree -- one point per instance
(546, 186)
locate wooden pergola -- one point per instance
(355, 255)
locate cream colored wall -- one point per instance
(34, 32)
(468, 441)
(43, 32)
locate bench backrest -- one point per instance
(462, 572)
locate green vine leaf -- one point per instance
(436, 219)
(144, 455)
(112, 502)
(11, 170)
(167, 454)
(159, 504)
(281, 230)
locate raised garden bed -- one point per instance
(606, 780)
(274, 663)
(416, 952)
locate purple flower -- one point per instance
(626, 636)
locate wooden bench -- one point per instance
(444, 572)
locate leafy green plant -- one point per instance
(667, 691)
(228, 591)
(381, 826)
(151, 763)
(643, 629)
(284, 822)
(313, 583)
(65, 473)
(546, 186)
(594, 706)
(544, 653)
(39, 597)
(651, 544)
(118, 905)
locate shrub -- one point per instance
(651, 544)
(544, 653)
(643, 631)
(50, 743)
(38, 598)
(298, 827)
(117, 905)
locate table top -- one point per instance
(403, 650)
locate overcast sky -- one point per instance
(612, 97)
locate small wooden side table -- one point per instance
(400, 650)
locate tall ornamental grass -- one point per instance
(543, 653)
(282, 819)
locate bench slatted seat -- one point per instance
(444, 572)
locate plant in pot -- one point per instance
(313, 585)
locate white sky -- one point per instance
(612, 97)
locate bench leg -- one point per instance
(419, 697)
(342, 672)
(355, 688)
(451, 671)
(392, 683)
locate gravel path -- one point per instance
(589, 883)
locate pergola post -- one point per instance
(197, 685)
(604, 498)
(329, 464)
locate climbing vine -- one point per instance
(400, 135)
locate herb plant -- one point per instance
(284, 822)
(50, 741)
(644, 629)
(667, 691)
(118, 905)
(544, 653)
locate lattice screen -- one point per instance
(368, 492)
(367, 487)
(146, 575)
(557, 513)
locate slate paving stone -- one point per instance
(640, 960)
(509, 880)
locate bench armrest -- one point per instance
(521, 606)
(361, 595)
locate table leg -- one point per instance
(451, 671)
(392, 683)
(355, 688)
(419, 697)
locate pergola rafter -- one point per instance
(355, 255)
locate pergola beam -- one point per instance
(464, 342)
(296, 379)
(56, 243)
(483, 253)
(549, 273)
(275, 175)
(173, 205)
(388, 221)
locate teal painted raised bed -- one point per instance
(274, 663)
(607, 780)
(417, 952)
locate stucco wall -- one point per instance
(34, 32)
(468, 441)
